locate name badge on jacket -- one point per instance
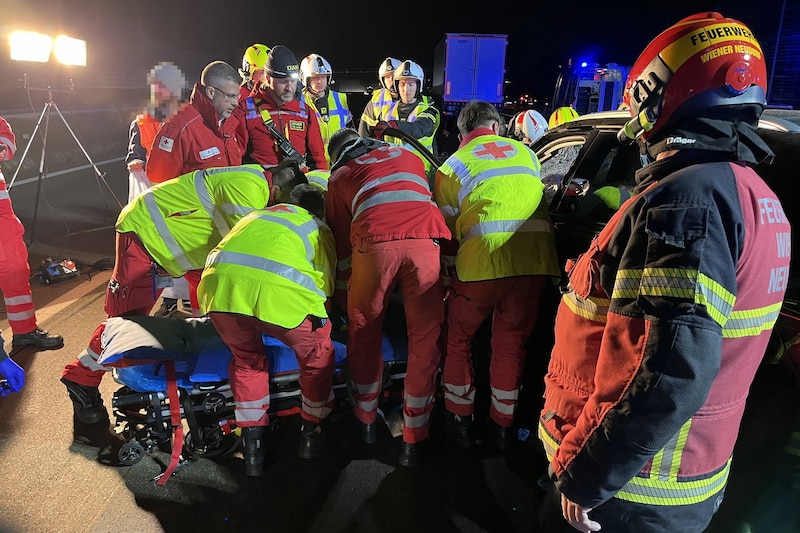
(209, 152)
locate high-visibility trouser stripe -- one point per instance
(252, 410)
(390, 197)
(4, 195)
(21, 315)
(367, 406)
(667, 461)
(652, 491)
(417, 402)
(501, 398)
(751, 322)
(88, 358)
(367, 388)
(793, 446)
(11, 146)
(303, 230)
(264, 264)
(460, 394)
(319, 409)
(163, 231)
(397, 177)
(488, 227)
(19, 300)
(595, 309)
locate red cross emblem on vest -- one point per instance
(495, 151)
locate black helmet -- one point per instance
(282, 63)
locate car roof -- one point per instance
(615, 119)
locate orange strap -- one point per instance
(175, 420)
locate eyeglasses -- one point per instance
(230, 96)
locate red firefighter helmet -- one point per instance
(704, 61)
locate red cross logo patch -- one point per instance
(494, 150)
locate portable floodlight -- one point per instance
(70, 51)
(30, 46)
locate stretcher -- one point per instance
(178, 392)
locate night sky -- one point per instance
(352, 35)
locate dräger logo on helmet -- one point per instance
(680, 140)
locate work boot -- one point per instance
(168, 307)
(411, 453)
(39, 338)
(367, 432)
(256, 442)
(459, 430)
(503, 438)
(314, 441)
(86, 402)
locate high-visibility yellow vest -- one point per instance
(423, 109)
(332, 119)
(181, 220)
(491, 194)
(276, 264)
(319, 178)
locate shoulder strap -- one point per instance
(284, 146)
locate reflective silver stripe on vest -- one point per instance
(391, 178)
(317, 180)
(303, 230)
(232, 209)
(207, 202)
(469, 183)
(268, 265)
(390, 197)
(507, 226)
(166, 236)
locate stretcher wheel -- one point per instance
(130, 453)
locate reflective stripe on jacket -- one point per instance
(181, 220)
(276, 264)
(492, 190)
(423, 110)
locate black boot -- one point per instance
(503, 438)
(256, 442)
(39, 338)
(459, 430)
(367, 432)
(411, 453)
(86, 402)
(314, 441)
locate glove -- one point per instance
(381, 126)
(14, 375)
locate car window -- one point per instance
(556, 164)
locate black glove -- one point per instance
(381, 126)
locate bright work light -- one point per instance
(32, 46)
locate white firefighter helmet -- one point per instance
(387, 67)
(315, 65)
(409, 70)
(529, 126)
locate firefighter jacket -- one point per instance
(420, 120)
(140, 138)
(181, 220)
(193, 139)
(493, 198)
(276, 264)
(377, 107)
(667, 319)
(8, 219)
(379, 192)
(292, 119)
(332, 113)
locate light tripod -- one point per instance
(45, 116)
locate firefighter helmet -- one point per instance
(528, 126)
(704, 61)
(315, 65)
(169, 76)
(409, 70)
(387, 67)
(254, 59)
(282, 63)
(562, 115)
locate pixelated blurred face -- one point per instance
(407, 89)
(318, 84)
(160, 95)
(225, 97)
(284, 88)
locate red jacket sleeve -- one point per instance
(166, 157)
